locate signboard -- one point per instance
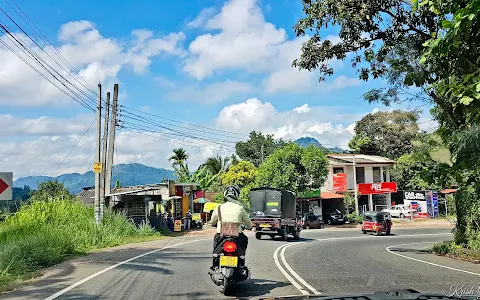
(414, 195)
(432, 203)
(97, 167)
(210, 206)
(377, 188)
(171, 188)
(177, 225)
(196, 216)
(340, 182)
(310, 194)
(6, 183)
(199, 194)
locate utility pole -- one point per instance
(104, 155)
(97, 156)
(261, 157)
(355, 183)
(111, 142)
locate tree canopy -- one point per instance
(385, 133)
(257, 148)
(294, 168)
(178, 157)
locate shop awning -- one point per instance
(327, 195)
(448, 191)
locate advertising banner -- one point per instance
(377, 188)
(340, 182)
(431, 198)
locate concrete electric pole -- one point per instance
(98, 163)
(355, 183)
(111, 142)
(104, 155)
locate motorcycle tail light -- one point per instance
(229, 246)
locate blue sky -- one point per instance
(192, 61)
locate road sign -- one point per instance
(6, 183)
(97, 167)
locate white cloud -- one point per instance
(254, 114)
(14, 126)
(243, 39)
(202, 17)
(211, 94)
(95, 57)
(302, 109)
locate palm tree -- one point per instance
(179, 156)
(217, 164)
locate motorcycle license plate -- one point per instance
(228, 261)
(265, 225)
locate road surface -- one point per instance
(326, 262)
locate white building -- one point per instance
(369, 169)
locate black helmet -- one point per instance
(232, 192)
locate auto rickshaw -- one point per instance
(377, 222)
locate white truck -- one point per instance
(399, 211)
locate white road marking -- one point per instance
(426, 262)
(68, 288)
(294, 274)
(285, 273)
(301, 280)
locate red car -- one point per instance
(376, 222)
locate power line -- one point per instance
(185, 123)
(73, 148)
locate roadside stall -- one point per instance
(198, 205)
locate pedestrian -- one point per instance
(188, 219)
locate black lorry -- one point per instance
(274, 213)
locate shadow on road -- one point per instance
(256, 287)
(409, 250)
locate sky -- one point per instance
(194, 74)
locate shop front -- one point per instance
(378, 193)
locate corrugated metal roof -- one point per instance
(359, 159)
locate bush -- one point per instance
(45, 233)
(354, 218)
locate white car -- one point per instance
(399, 211)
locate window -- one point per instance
(360, 174)
(338, 170)
(376, 174)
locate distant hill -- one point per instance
(307, 141)
(128, 174)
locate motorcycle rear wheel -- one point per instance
(227, 287)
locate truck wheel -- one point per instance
(364, 231)
(258, 236)
(378, 232)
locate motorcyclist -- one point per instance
(231, 211)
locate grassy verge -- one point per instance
(450, 249)
(45, 233)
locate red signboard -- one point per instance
(340, 182)
(377, 188)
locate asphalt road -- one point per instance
(327, 262)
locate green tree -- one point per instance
(217, 164)
(178, 157)
(51, 190)
(294, 168)
(385, 133)
(241, 174)
(258, 147)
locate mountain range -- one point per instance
(127, 174)
(307, 141)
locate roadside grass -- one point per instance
(44, 233)
(452, 250)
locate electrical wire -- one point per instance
(72, 148)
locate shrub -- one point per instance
(355, 218)
(45, 233)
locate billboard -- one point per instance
(377, 188)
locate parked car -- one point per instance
(335, 217)
(311, 221)
(399, 211)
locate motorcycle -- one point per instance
(228, 264)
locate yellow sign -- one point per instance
(177, 226)
(97, 167)
(196, 217)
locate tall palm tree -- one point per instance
(217, 164)
(179, 156)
